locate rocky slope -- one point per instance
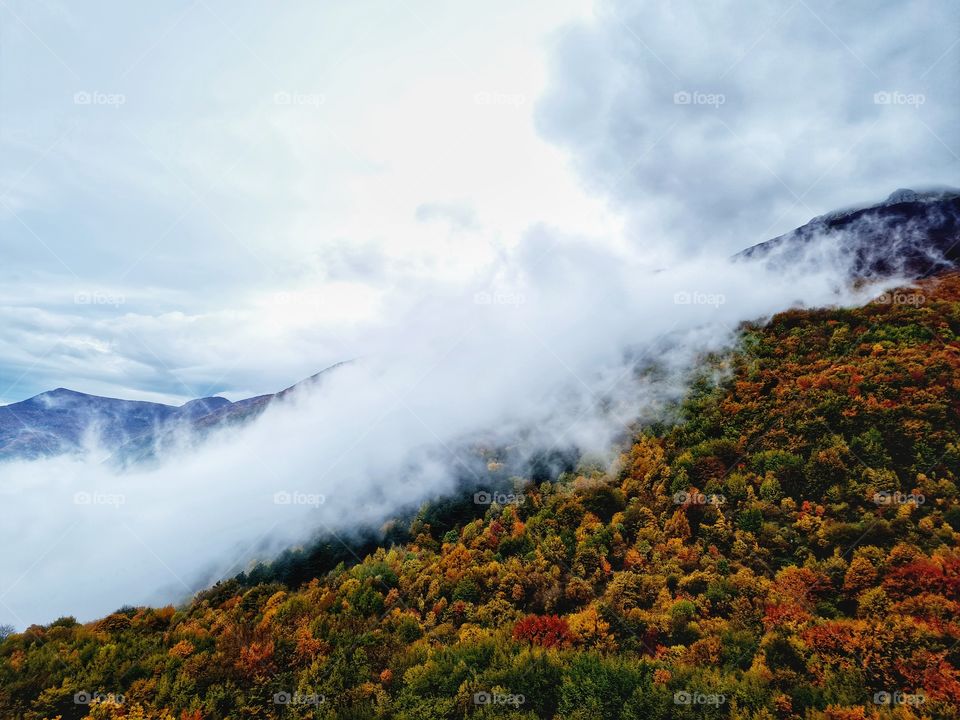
(910, 234)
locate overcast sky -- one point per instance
(225, 196)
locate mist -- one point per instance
(544, 345)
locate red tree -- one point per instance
(545, 630)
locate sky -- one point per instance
(256, 180)
(222, 197)
(498, 209)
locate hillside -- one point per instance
(787, 550)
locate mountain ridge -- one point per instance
(63, 421)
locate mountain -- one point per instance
(63, 421)
(60, 420)
(786, 550)
(910, 234)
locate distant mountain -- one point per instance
(64, 421)
(910, 234)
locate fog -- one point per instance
(544, 344)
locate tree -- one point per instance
(544, 630)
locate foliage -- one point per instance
(809, 567)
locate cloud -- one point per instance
(722, 125)
(459, 216)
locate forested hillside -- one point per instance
(788, 549)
